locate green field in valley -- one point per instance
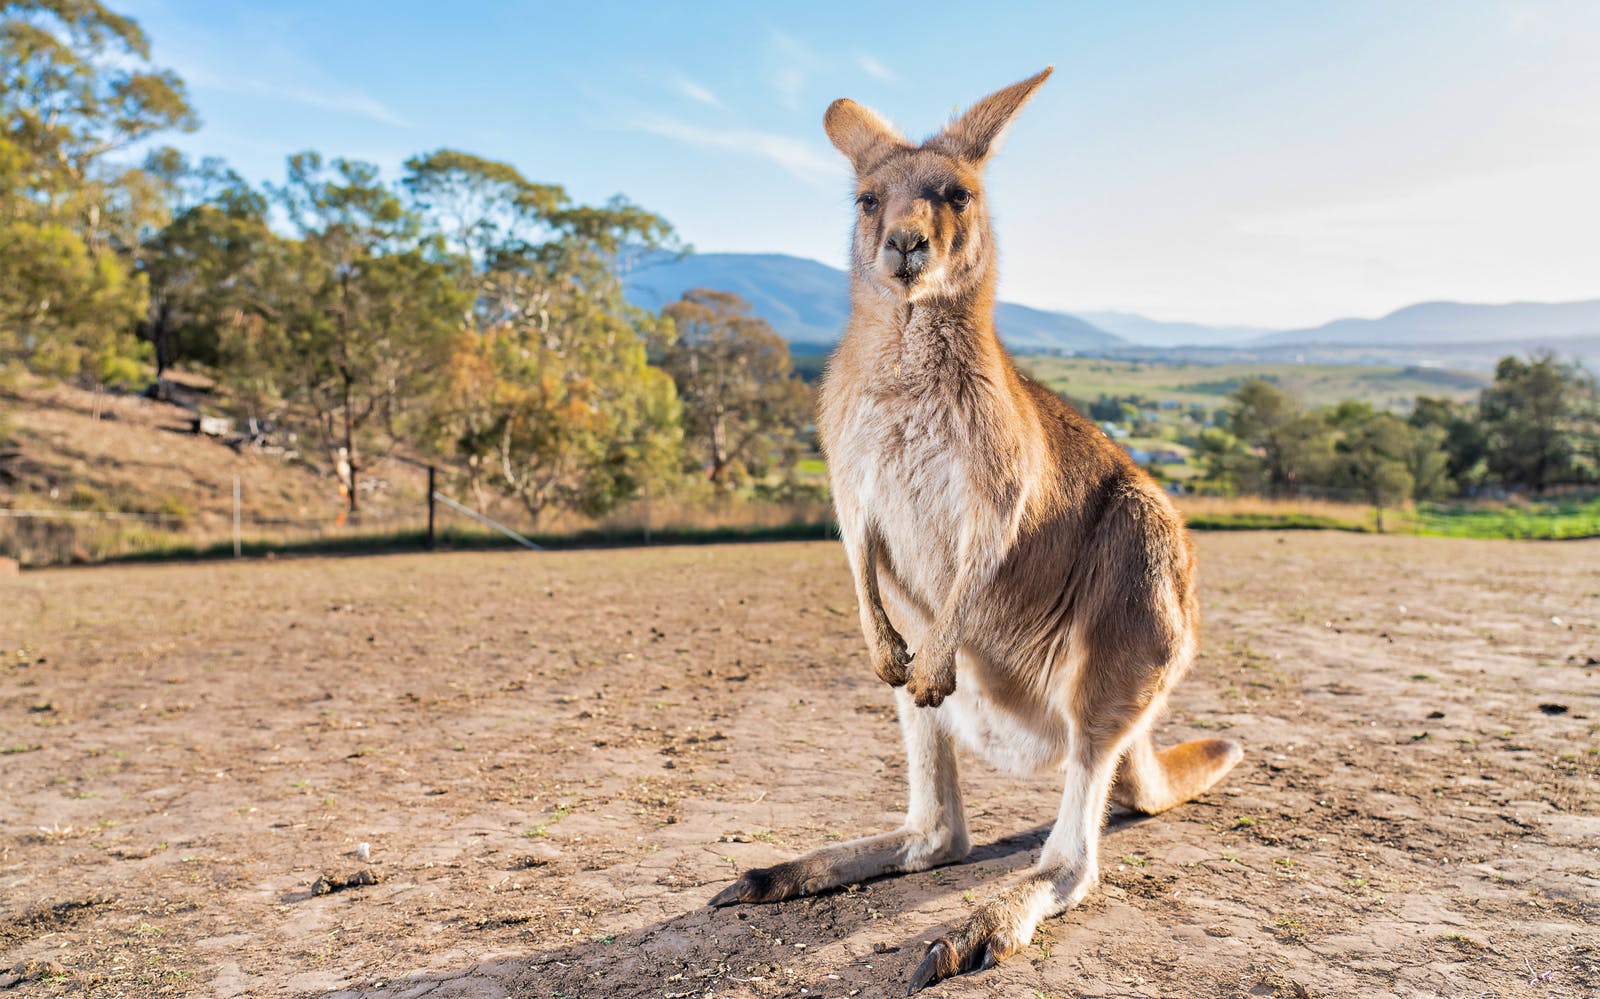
(1208, 385)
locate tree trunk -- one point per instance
(719, 451)
(344, 373)
(350, 449)
(161, 338)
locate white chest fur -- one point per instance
(900, 460)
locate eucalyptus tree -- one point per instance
(744, 407)
(361, 313)
(76, 88)
(1532, 419)
(550, 396)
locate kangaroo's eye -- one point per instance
(960, 198)
(868, 202)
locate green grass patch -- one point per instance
(1386, 386)
(1270, 522)
(1539, 520)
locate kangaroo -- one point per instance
(1046, 584)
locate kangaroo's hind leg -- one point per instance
(934, 832)
(1068, 868)
(1117, 692)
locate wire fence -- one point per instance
(41, 536)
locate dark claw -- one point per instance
(939, 963)
(757, 885)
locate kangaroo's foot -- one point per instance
(1000, 928)
(898, 852)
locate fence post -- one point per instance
(430, 507)
(236, 543)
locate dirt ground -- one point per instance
(555, 759)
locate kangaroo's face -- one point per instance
(922, 225)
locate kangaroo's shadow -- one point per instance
(727, 950)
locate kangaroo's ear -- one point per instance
(975, 135)
(860, 133)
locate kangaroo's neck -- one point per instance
(943, 336)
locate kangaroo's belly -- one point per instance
(1022, 743)
(1011, 688)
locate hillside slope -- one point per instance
(86, 455)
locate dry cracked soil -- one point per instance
(499, 774)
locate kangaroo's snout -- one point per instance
(905, 253)
(907, 241)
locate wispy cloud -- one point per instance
(335, 99)
(804, 160)
(793, 63)
(696, 92)
(875, 69)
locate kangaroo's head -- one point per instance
(922, 224)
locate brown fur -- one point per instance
(1026, 586)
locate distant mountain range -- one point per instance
(807, 302)
(1148, 332)
(1455, 322)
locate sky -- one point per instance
(1237, 163)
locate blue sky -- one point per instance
(1268, 163)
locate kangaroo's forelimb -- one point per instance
(891, 660)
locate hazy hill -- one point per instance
(807, 302)
(1525, 323)
(1148, 332)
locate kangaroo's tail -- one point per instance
(1151, 780)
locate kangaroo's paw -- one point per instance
(932, 679)
(892, 660)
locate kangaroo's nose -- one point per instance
(906, 241)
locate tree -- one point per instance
(1428, 463)
(1374, 455)
(1293, 448)
(361, 322)
(1461, 437)
(208, 268)
(484, 209)
(744, 409)
(1587, 426)
(1529, 417)
(1106, 409)
(551, 398)
(76, 86)
(1226, 461)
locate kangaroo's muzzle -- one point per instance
(905, 255)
